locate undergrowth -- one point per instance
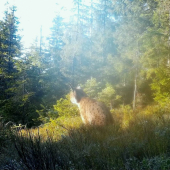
(136, 140)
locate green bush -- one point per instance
(65, 108)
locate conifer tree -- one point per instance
(9, 53)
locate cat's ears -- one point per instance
(72, 88)
(78, 87)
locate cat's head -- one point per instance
(76, 95)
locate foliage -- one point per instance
(62, 109)
(45, 114)
(92, 87)
(65, 108)
(108, 96)
(9, 53)
(7, 156)
(160, 85)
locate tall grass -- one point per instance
(136, 140)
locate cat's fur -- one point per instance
(92, 112)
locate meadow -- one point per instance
(137, 140)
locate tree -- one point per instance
(9, 53)
(156, 52)
(133, 20)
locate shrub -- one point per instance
(65, 108)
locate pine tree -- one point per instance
(9, 52)
(133, 20)
(156, 52)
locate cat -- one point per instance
(92, 112)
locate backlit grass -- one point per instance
(136, 140)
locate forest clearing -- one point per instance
(118, 52)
